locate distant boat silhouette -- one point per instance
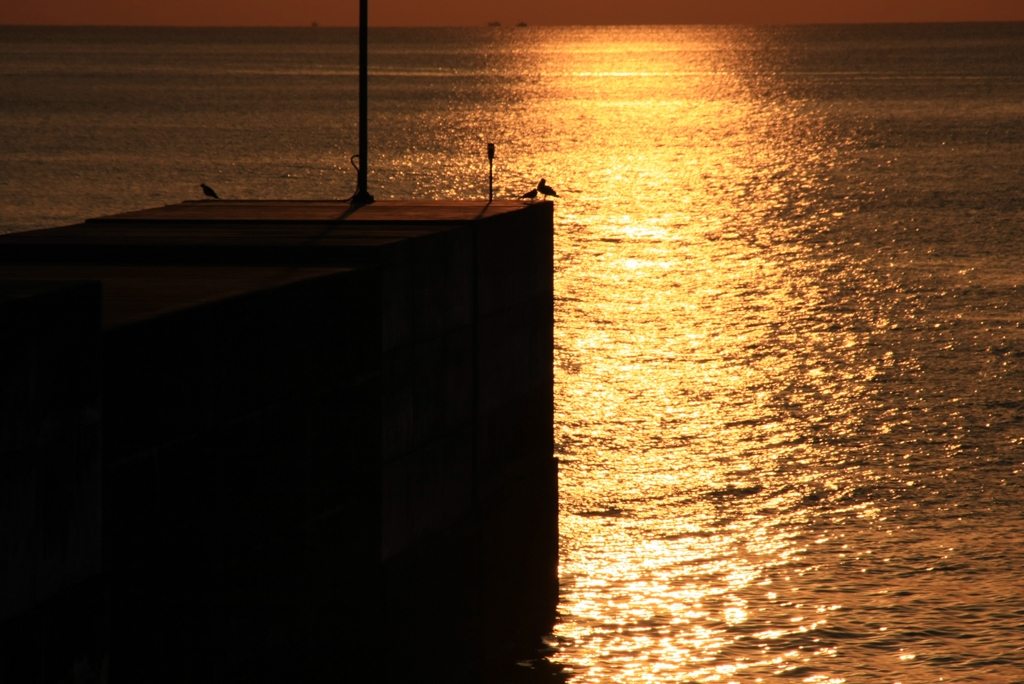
(521, 24)
(208, 191)
(494, 24)
(314, 24)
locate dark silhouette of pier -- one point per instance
(279, 441)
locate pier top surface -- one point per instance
(156, 261)
(283, 223)
(321, 211)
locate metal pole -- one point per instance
(362, 195)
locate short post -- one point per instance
(490, 178)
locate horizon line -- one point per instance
(314, 24)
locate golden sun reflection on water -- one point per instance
(692, 365)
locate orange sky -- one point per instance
(479, 12)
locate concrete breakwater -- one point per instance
(278, 441)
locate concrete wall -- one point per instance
(470, 535)
(243, 435)
(429, 554)
(52, 605)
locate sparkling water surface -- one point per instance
(789, 279)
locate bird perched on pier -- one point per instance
(531, 195)
(208, 191)
(546, 189)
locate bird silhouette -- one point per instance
(208, 191)
(531, 195)
(546, 189)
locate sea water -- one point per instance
(789, 279)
